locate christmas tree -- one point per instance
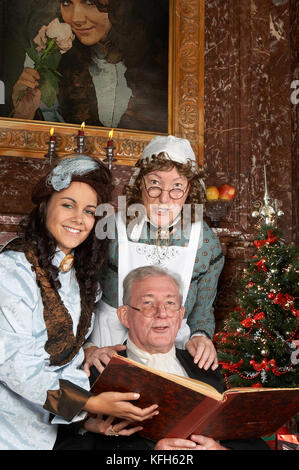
(259, 343)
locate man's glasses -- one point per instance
(150, 310)
(155, 191)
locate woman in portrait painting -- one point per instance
(115, 75)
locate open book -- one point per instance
(188, 406)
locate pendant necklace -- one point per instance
(67, 263)
(162, 243)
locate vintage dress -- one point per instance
(205, 270)
(25, 371)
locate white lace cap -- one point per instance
(178, 149)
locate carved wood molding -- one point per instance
(188, 108)
(186, 79)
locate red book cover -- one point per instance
(189, 406)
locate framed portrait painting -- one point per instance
(133, 66)
(115, 73)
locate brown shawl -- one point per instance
(61, 345)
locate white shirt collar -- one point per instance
(58, 257)
(166, 362)
(144, 357)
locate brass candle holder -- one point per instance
(51, 155)
(110, 151)
(81, 140)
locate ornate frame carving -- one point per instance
(186, 102)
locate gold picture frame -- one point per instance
(185, 110)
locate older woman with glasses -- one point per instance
(167, 192)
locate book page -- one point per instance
(193, 384)
(256, 390)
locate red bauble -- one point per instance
(247, 322)
(271, 295)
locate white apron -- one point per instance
(108, 330)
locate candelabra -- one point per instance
(81, 140)
(51, 155)
(110, 151)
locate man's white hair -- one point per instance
(139, 274)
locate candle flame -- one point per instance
(111, 134)
(82, 125)
(52, 131)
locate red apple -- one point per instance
(227, 191)
(212, 193)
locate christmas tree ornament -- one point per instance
(268, 211)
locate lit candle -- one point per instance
(81, 131)
(110, 141)
(51, 148)
(110, 150)
(52, 136)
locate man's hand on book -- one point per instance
(95, 356)
(203, 351)
(105, 426)
(194, 443)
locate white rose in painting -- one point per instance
(41, 39)
(45, 51)
(62, 32)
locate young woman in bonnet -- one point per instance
(48, 287)
(167, 182)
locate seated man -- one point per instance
(152, 312)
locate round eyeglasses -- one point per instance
(150, 310)
(156, 191)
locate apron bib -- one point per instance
(131, 255)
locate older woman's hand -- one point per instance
(95, 356)
(203, 351)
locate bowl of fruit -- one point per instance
(218, 201)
